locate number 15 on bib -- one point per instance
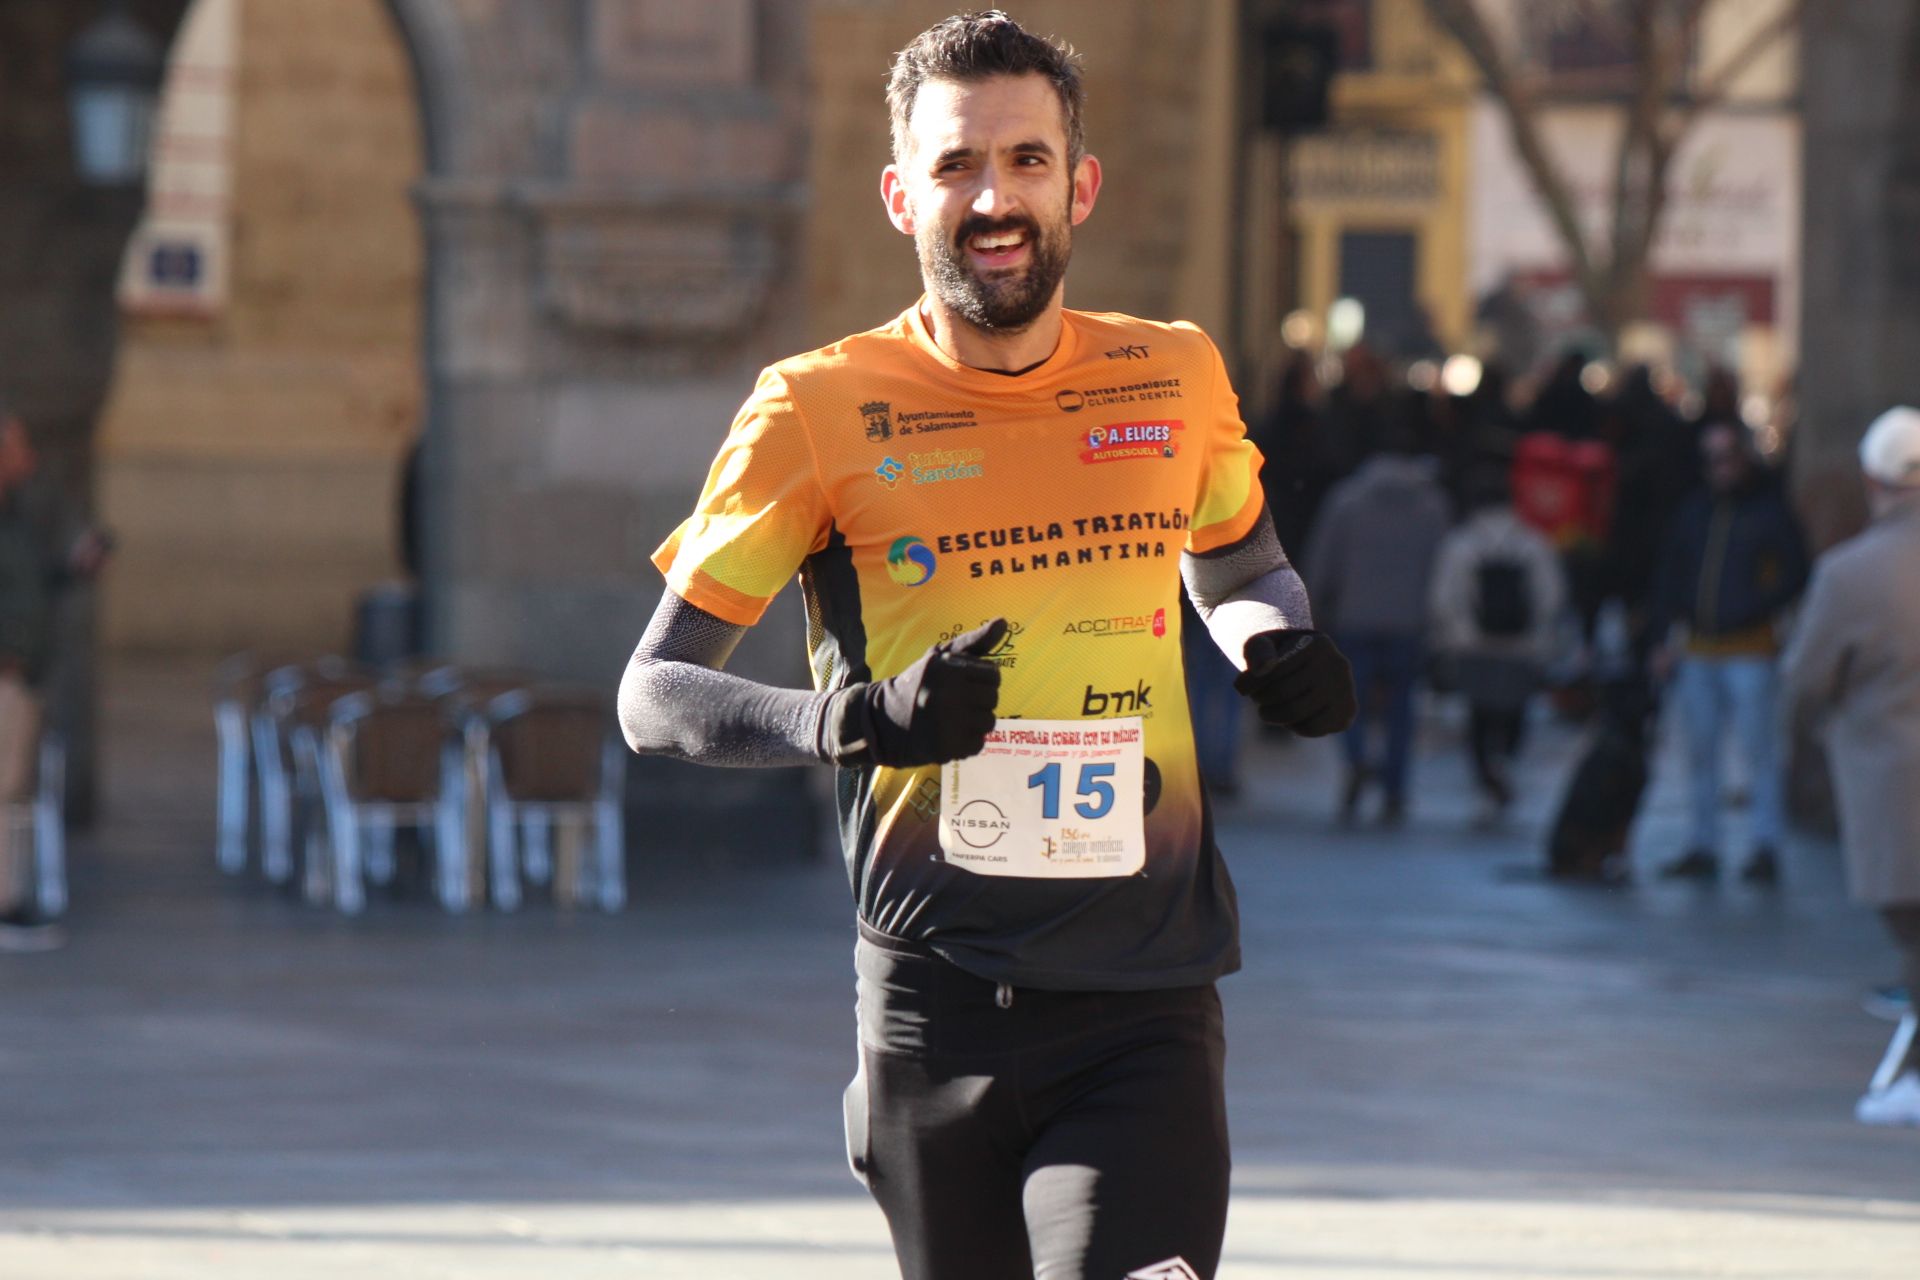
(1053, 799)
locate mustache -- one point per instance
(975, 225)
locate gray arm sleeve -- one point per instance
(676, 701)
(1244, 589)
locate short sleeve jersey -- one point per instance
(918, 498)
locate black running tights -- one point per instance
(1015, 1133)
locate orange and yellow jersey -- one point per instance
(918, 498)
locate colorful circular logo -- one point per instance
(1096, 437)
(910, 562)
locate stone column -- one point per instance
(1860, 85)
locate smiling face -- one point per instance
(988, 194)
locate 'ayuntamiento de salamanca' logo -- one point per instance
(879, 419)
(910, 562)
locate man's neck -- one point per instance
(999, 352)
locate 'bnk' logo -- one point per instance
(1120, 702)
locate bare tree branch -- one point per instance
(1634, 172)
(1714, 90)
(1660, 36)
(1462, 20)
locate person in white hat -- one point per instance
(1853, 671)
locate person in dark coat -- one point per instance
(1659, 467)
(1731, 564)
(1564, 405)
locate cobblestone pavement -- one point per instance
(1439, 1065)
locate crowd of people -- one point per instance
(1475, 540)
(1476, 544)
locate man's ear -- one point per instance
(1086, 187)
(893, 193)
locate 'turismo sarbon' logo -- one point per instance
(910, 562)
(878, 415)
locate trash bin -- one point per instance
(386, 625)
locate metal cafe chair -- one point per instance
(555, 765)
(37, 820)
(237, 687)
(464, 693)
(388, 759)
(294, 702)
(240, 684)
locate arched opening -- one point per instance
(268, 386)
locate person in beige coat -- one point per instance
(1853, 671)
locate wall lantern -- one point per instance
(113, 85)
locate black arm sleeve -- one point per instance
(676, 701)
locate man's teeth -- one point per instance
(1005, 241)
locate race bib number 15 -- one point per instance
(1055, 799)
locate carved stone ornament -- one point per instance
(686, 267)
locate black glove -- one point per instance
(1299, 680)
(938, 709)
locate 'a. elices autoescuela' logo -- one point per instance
(1117, 441)
(910, 562)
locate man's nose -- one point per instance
(994, 198)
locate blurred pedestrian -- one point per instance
(1369, 564)
(1496, 596)
(1564, 406)
(1659, 467)
(1299, 460)
(1360, 411)
(1213, 703)
(29, 576)
(1719, 399)
(1853, 669)
(1732, 563)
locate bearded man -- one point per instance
(992, 503)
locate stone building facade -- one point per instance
(625, 207)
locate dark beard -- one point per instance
(996, 306)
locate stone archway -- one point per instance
(608, 264)
(262, 404)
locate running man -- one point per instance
(991, 503)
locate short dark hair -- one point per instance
(972, 46)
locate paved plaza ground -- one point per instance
(1440, 1066)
